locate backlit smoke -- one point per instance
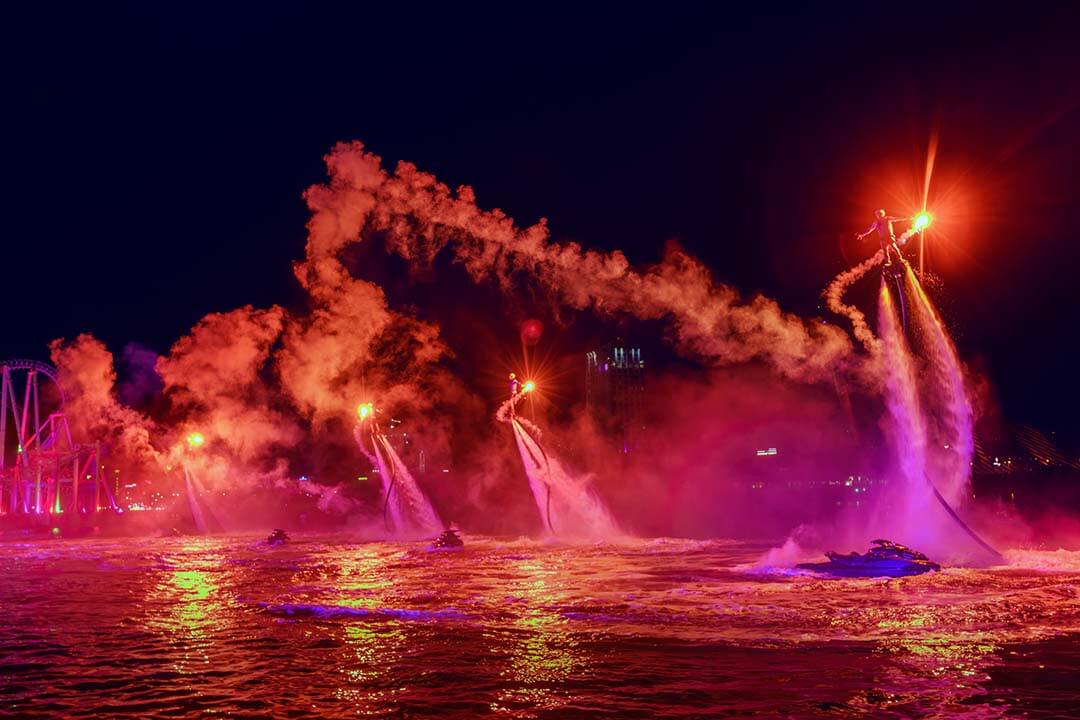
(88, 376)
(419, 217)
(214, 381)
(834, 297)
(273, 393)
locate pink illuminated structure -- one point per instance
(42, 470)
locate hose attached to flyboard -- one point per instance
(389, 488)
(971, 533)
(900, 299)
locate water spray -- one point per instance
(522, 433)
(557, 492)
(396, 478)
(366, 412)
(898, 283)
(948, 365)
(519, 391)
(193, 486)
(901, 384)
(390, 487)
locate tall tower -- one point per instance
(615, 391)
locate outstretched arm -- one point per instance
(863, 234)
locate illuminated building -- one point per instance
(615, 391)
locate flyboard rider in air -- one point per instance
(883, 226)
(515, 388)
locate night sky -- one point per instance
(154, 157)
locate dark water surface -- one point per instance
(326, 627)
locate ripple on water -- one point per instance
(658, 628)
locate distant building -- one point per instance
(1035, 471)
(615, 391)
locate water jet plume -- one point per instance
(568, 505)
(946, 394)
(406, 510)
(920, 495)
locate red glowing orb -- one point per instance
(531, 330)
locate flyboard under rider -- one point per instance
(883, 226)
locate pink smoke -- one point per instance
(419, 217)
(834, 297)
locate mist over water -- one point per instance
(406, 510)
(951, 426)
(411, 509)
(769, 437)
(928, 426)
(274, 393)
(568, 505)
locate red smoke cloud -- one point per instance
(273, 389)
(420, 217)
(93, 411)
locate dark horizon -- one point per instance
(157, 159)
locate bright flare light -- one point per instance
(195, 440)
(528, 387)
(922, 221)
(364, 410)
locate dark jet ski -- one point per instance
(449, 540)
(278, 537)
(887, 559)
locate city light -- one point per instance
(195, 440)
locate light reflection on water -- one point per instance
(543, 648)
(326, 627)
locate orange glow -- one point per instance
(528, 387)
(364, 410)
(922, 220)
(195, 440)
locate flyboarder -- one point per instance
(515, 385)
(883, 226)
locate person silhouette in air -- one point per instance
(883, 226)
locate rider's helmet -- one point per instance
(879, 213)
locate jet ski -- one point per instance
(886, 559)
(449, 540)
(278, 537)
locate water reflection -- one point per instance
(186, 605)
(225, 626)
(367, 663)
(544, 651)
